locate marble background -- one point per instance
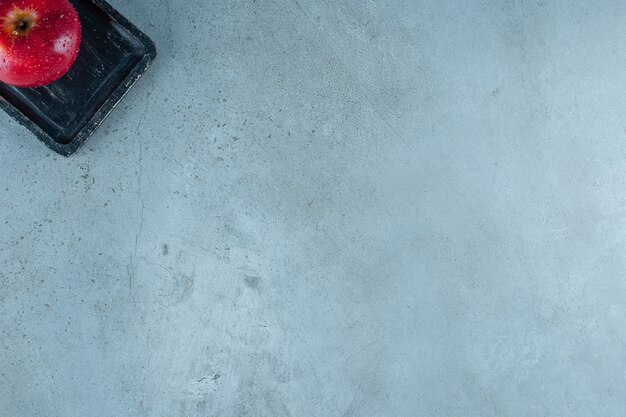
(331, 208)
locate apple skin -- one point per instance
(39, 41)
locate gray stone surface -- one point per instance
(331, 208)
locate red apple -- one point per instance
(39, 41)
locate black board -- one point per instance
(112, 57)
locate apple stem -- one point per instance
(20, 26)
(21, 23)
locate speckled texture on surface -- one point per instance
(331, 208)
